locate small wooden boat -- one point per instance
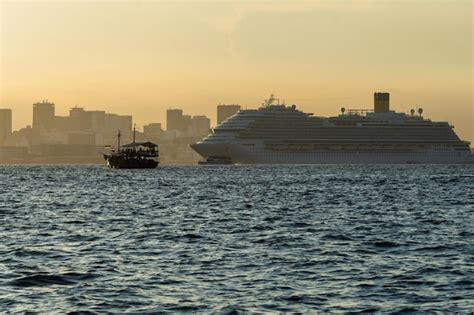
(133, 155)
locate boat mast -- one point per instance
(134, 149)
(118, 141)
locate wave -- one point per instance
(42, 280)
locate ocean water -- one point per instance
(234, 239)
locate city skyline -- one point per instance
(162, 120)
(83, 134)
(150, 56)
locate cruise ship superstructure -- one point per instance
(280, 134)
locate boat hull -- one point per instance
(260, 155)
(130, 163)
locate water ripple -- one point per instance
(230, 240)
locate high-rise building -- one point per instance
(113, 123)
(174, 119)
(87, 120)
(200, 125)
(5, 124)
(187, 125)
(381, 102)
(79, 119)
(97, 120)
(226, 111)
(152, 130)
(43, 116)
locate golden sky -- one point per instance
(142, 57)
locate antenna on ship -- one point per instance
(270, 100)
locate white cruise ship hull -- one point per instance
(240, 154)
(353, 158)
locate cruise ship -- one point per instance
(280, 134)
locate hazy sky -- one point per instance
(142, 57)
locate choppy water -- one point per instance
(224, 239)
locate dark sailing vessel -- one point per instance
(133, 155)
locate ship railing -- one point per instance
(361, 112)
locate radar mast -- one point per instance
(270, 101)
